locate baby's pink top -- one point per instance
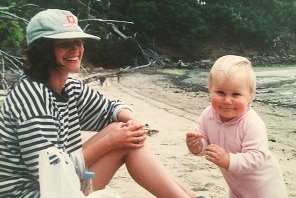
(253, 171)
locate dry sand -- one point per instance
(173, 112)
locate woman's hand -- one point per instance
(117, 135)
(125, 135)
(135, 124)
(193, 142)
(217, 155)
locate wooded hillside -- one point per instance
(188, 30)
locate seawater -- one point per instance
(276, 85)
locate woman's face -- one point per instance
(230, 97)
(68, 53)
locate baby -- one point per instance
(233, 136)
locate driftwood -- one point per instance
(103, 77)
(147, 55)
(10, 70)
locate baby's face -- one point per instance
(230, 97)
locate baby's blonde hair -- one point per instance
(229, 65)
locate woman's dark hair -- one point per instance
(39, 59)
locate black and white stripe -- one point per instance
(34, 117)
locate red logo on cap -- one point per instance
(71, 21)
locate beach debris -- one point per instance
(102, 77)
(150, 131)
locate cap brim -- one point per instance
(71, 35)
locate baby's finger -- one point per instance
(210, 158)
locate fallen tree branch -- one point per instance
(106, 21)
(103, 77)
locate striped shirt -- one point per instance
(34, 117)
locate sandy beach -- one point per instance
(171, 112)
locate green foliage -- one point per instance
(13, 34)
(181, 21)
(10, 27)
(178, 23)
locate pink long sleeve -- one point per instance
(253, 170)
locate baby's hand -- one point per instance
(193, 141)
(217, 155)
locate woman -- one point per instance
(49, 109)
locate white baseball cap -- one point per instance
(55, 24)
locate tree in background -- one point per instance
(189, 25)
(179, 28)
(10, 25)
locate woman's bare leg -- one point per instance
(144, 168)
(150, 173)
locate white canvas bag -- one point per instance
(57, 176)
(58, 179)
